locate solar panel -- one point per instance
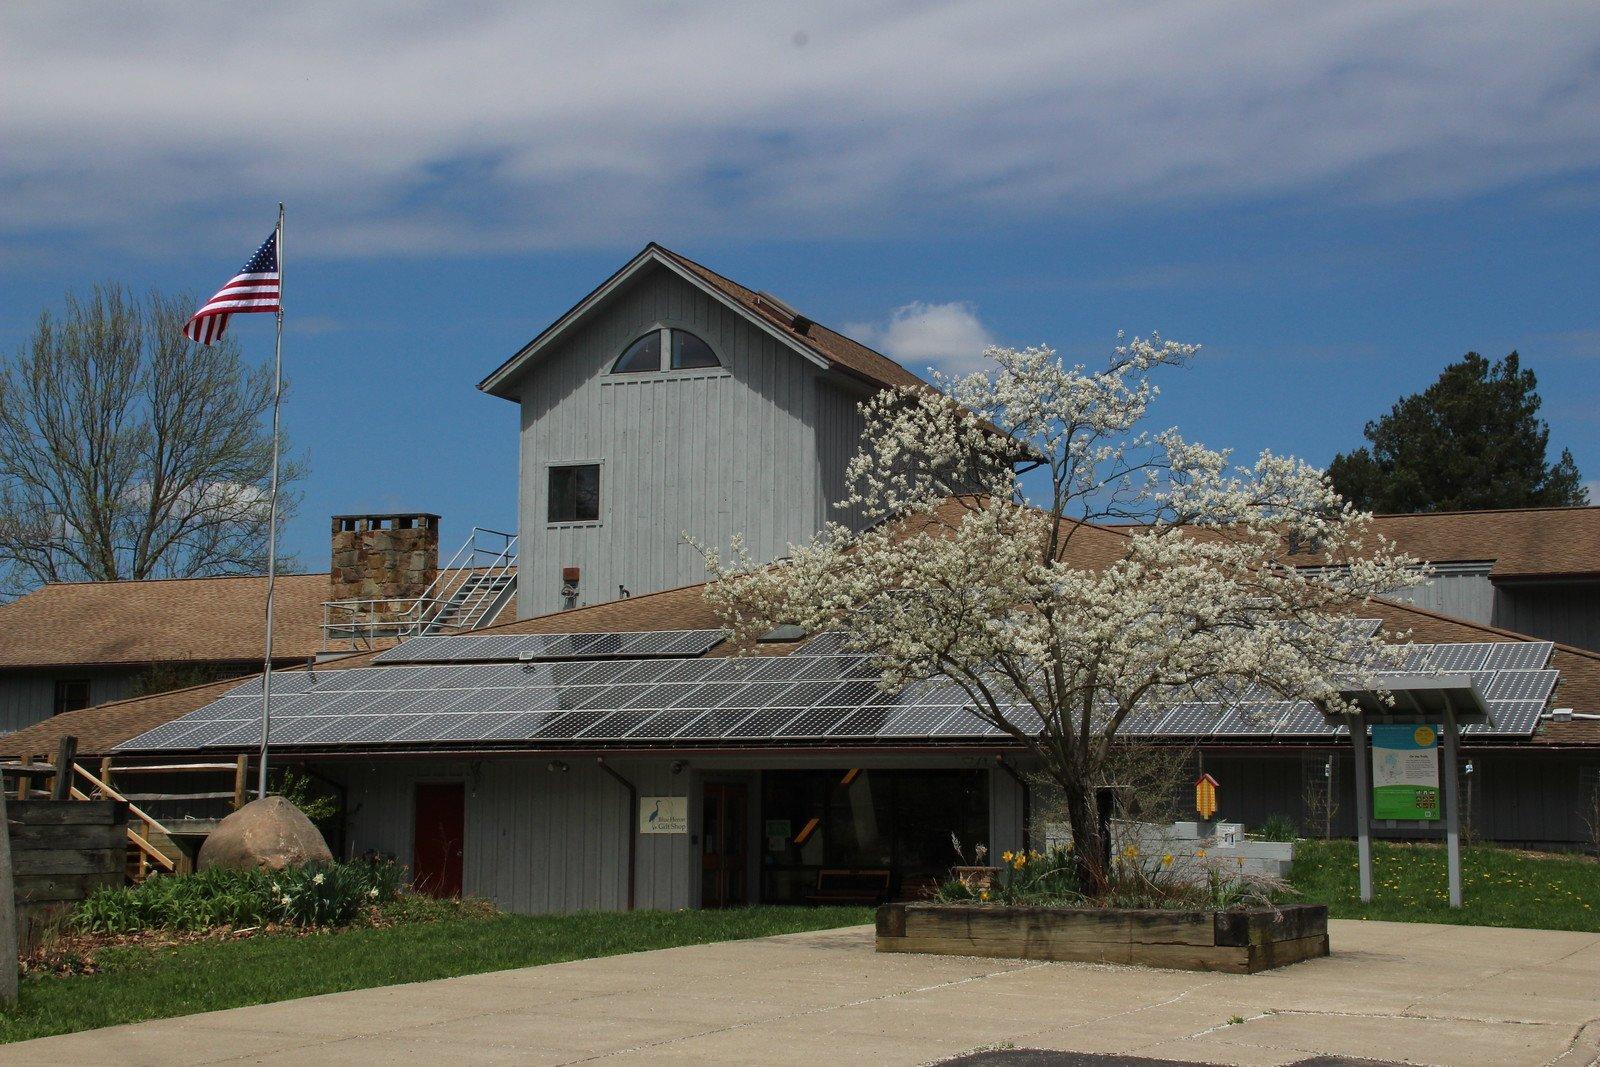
(867, 722)
(517, 727)
(814, 723)
(690, 670)
(1251, 720)
(765, 723)
(1304, 720)
(1521, 685)
(962, 722)
(828, 643)
(1518, 655)
(611, 697)
(822, 690)
(1141, 723)
(663, 724)
(487, 647)
(916, 722)
(1510, 718)
(1191, 720)
(365, 730)
(712, 725)
(613, 725)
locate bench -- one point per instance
(850, 886)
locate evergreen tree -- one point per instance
(1472, 440)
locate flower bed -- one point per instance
(1239, 940)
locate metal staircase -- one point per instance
(476, 602)
(470, 591)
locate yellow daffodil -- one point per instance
(1006, 856)
(1166, 861)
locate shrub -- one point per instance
(326, 894)
(1137, 880)
(1277, 828)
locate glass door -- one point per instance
(723, 831)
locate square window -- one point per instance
(71, 694)
(575, 493)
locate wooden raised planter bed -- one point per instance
(1236, 941)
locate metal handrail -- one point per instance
(412, 616)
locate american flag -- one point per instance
(253, 289)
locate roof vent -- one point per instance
(788, 632)
(784, 311)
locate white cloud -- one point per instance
(949, 337)
(510, 126)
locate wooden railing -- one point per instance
(146, 854)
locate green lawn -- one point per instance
(143, 983)
(1500, 887)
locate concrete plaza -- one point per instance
(1402, 992)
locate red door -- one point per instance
(441, 817)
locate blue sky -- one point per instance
(1334, 199)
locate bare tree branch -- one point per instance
(128, 451)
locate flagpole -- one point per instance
(272, 519)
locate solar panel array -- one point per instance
(806, 696)
(488, 648)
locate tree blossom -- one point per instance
(1059, 627)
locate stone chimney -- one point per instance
(383, 558)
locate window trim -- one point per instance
(666, 370)
(600, 506)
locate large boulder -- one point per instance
(268, 834)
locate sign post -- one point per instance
(1414, 719)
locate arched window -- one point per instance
(665, 349)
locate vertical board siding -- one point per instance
(537, 840)
(28, 696)
(1568, 612)
(1531, 798)
(1464, 596)
(1006, 832)
(747, 449)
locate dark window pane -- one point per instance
(643, 355)
(71, 694)
(575, 493)
(689, 351)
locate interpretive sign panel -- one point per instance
(1405, 772)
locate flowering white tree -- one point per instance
(1058, 628)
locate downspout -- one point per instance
(627, 823)
(1027, 800)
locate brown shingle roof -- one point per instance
(1522, 542)
(192, 620)
(833, 348)
(840, 351)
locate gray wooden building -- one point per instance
(673, 401)
(672, 404)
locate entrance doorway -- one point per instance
(724, 827)
(439, 838)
